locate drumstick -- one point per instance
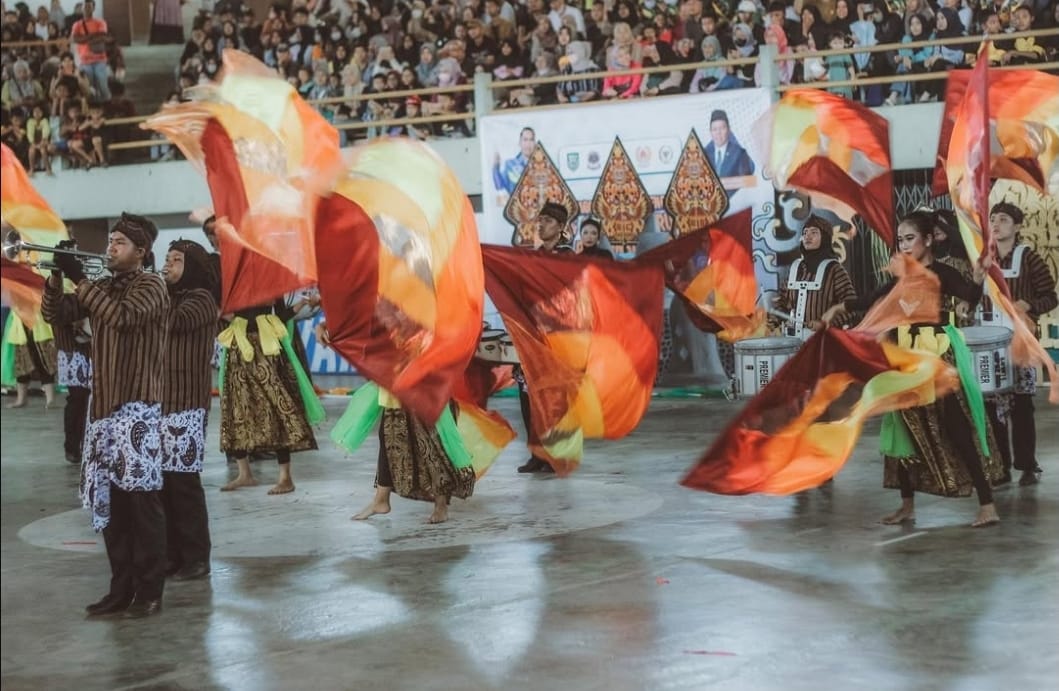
(782, 315)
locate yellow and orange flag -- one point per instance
(267, 157)
(834, 149)
(400, 272)
(24, 210)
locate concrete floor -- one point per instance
(616, 579)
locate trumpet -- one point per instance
(15, 246)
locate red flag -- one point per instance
(586, 331)
(247, 278)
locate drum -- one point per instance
(508, 353)
(758, 359)
(489, 346)
(990, 348)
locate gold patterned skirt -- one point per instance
(937, 467)
(261, 408)
(413, 462)
(36, 361)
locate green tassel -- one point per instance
(965, 366)
(7, 355)
(314, 410)
(894, 438)
(452, 441)
(361, 415)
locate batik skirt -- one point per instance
(418, 466)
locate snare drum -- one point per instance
(489, 345)
(758, 359)
(990, 348)
(508, 353)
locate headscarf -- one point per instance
(747, 50)
(427, 73)
(716, 73)
(577, 56)
(141, 231)
(811, 258)
(953, 28)
(198, 268)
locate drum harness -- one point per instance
(798, 327)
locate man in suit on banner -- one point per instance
(726, 155)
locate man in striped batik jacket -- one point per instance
(121, 471)
(190, 279)
(1032, 288)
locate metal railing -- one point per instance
(484, 87)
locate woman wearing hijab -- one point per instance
(712, 78)
(744, 46)
(817, 281)
(427, 69)
(941, 58)
(774, 36)
(660, 83)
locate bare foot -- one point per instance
(987, 515)
(902, 515)
(372, 509)
(282, 487)
(441, 512)
(241, 481)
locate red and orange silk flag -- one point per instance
(802, 427)
(400, 272)
(1022, 112)
(712, 271)
(834, 149)
(1025, 112)
(586, 331)
(23, 209)
(267, 156)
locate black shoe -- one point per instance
(193, 571)
(143, 608)
(1004, 479)
(110, 604)
(533, 465)
(1029, 477)
(73, 458)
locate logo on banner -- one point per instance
(573, 160)
(643, 155)
(593, 160)
(665, 154)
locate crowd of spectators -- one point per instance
(63, 77)
(359, 50)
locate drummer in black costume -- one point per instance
(1033, 289)
(816, 282)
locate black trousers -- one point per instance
(527, 415)
(962, 438)
(74, 418)
(135, 540)
(1020, 436)
(187, 522)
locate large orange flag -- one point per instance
(802, 427)
(586, 331)
(400, 272)
(24, 210)
(835, 149)
(267, 156)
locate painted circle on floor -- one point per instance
(315, 519)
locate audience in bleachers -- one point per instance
(63, 78)
(352, 53)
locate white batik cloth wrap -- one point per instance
(124, 448)
(74, 369)
(184, 441)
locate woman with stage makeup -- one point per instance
(946, 447)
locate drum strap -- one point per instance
(803, 288)
(998, 317)
(1016, 262)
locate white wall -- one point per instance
(175, 187)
